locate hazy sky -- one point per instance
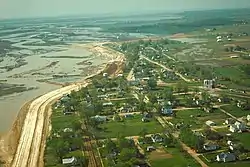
(33, 8)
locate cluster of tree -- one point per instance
(181, 87)
(192, 69)
(152, 83)
(191, 139)
(212, 135)
(59, 147)
(124, 152)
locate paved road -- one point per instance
(166, 68)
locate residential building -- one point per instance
(225, 157)
(210, 123)
(145, 119)
(108, 104)
(69, 161)
(248, 118)
(105, 74)
(100, 118)
(237, 127)
(156, 138)
(229, 121)
(209, 84)
(150, 148)
(210, 147)
(167, 111)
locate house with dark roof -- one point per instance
(167, 111)
(156, 138)
(225, 157)
(210, 147)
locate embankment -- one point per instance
(9, 142)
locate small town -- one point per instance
(110, 83)
(146, 114)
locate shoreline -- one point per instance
(9, 141)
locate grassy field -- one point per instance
(236, 111)
(216, 164)
(60, 121)
(178, 159)
(130, 127)
(244, 139)
(198, 122)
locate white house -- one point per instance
(156, 138)
(210, 147)
(248, 118)
(229, 142)
(218, 37)
(120, 75)
(210, 123)
(225, 157)
(219, 40)
(237, 127)
(69, 161)
(105, 74)
(229, 121)
(100, 118)
(209, 84)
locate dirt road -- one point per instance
(27, 153)
(184, 146)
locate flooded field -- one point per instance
(38, 60)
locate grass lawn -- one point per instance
(244, 138)
(236, 111)
(60, 121)
(197, 122)
(130, 127)
(211, 156)
(233, 164)
(178, 159)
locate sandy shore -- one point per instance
(30, 129)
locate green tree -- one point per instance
(152, 98)
(126, 154)
(110, 145)
(152, 83)
(143, 132)
(60, 147)
(77, 126)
